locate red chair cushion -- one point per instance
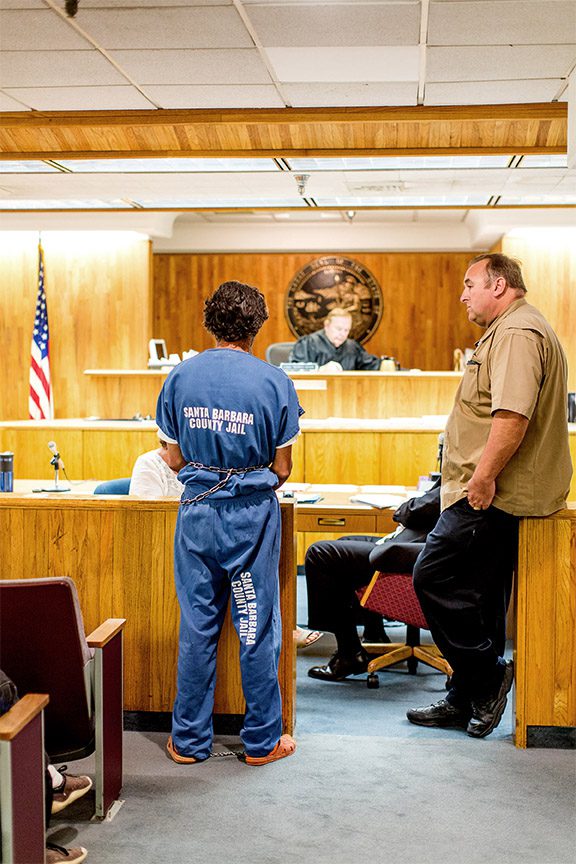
(393, 596)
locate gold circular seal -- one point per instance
(329, 283)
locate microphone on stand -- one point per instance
(57, 461)
(58, 464)
(440, 450)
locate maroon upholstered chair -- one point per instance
(22, 781)
(392, 595)
(44, 650)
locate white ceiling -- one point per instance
(149, 54)
(275, 53)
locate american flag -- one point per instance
(40, 405)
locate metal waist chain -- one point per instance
(221, 483)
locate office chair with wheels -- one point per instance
(44, 649)
(121, 486)
(278, 352)
(391, 594)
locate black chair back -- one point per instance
(278, 352)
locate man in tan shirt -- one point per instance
(506, 455)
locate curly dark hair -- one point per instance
(235, 312)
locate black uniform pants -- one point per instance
(334, 570)
(463, 579)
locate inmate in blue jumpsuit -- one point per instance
(227, 409)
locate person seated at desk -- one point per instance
(152, 477)
(332, 349)
(335, 569)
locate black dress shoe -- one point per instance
(487, 713)
(339, 667)
(442, 714)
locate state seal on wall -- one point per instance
(329, 283)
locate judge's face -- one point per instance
(337, 329)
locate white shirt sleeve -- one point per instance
(147, 480)
(153, 478)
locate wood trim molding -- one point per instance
(514, 129)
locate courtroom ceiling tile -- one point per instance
(129, 4)
(28, 29)
(9, 104)
(491, 92)
(498, 62)
(194, 66)
(81, 98)
(502, 22)
(356, 93)
(361, 65)
(335, 25)
(57, 69)
(168, 27)
(223, 96)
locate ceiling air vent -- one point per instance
(377, 188)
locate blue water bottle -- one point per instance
(6, 472)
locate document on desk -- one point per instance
(381, 502)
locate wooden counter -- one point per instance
(364, 395)
(333, 450)
(545, 645)
(119, 552)
(123, 392)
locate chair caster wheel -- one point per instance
(372, 681)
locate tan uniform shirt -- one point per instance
(518, 365)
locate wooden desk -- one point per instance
(335, 516)
(119, 551)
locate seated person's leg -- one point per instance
(334, 570)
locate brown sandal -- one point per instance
(285, 747)
(176, 757)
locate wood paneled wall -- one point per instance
(423, 320)
(104, 305)
(549, 268)
(98, 294)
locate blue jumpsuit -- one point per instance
(227, 409)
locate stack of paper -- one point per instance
(379, 501)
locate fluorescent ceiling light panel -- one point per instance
(27, 167)
(165, 166)
(386, 63)
(215, 203)
(397, 163)
(559, 160)
(405, 201)
(51, 204)
(535, 200)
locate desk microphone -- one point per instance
(54, 450)
(440, 450)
